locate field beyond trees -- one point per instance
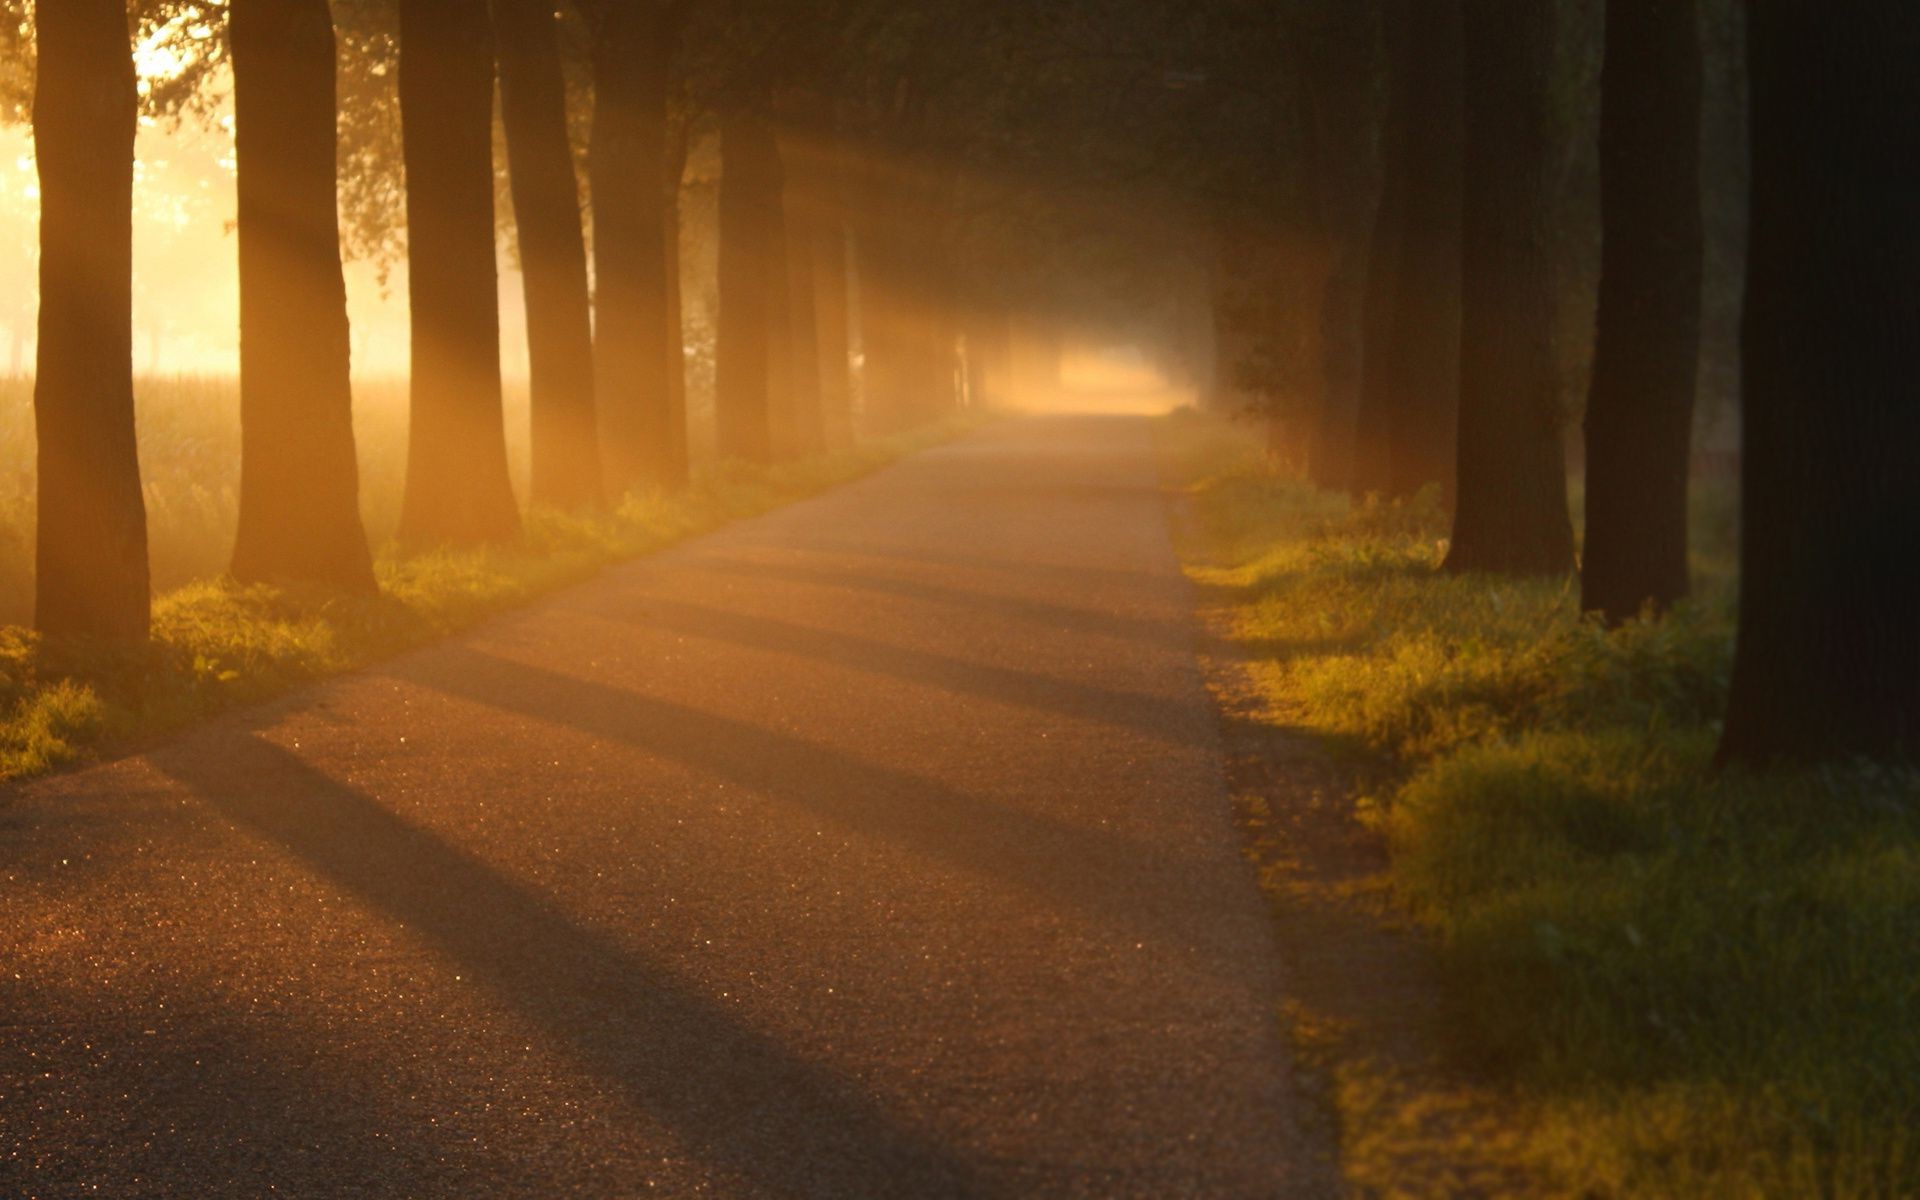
(1700, 982)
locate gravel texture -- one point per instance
(876, 847)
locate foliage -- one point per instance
(1705, 981)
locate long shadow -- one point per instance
(1157, 718)
(1155, 631)
(738, 1098)
(1096, 873)
(192, 1098)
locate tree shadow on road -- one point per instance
(743, 1103)
(1157, 717)
(1126, 888)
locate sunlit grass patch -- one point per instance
(217, 644)
(1703, 984)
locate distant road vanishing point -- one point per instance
(876, 847)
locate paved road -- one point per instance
(876, 847)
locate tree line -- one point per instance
(1434, 138)
(1362, 204)
(313, 128)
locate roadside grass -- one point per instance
(216, 644)
(1701, 983)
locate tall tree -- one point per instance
(1511, 511)
(553, 255)
(632, 55)
(299, 478)
(92, 550)
(750, 210)
(801, 227)
(458, 489)
(1424, 358)
(832, 304)
(1647, 346)
(678, 457)
(1828, 664)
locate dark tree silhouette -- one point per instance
(632, 52)
(299, 480)
(92, 548)
(750, 210)
(1511, 509)
(677, 459)
(1828, 664)
(803, 320)
(565, 448)
(1647, 348)
(832, 304)
(1425, 356)
(458, 490)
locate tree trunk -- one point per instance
(1828, 665)
(749, 208)
(677, 458)
(1410, 388)
(1377, 404)
(1424, 358)
(92, 549)
(803, 219)
(299, 477)
(458, 490)
(1330, 448)
(1647, 346)
(833, 319)
(630, 228)
(783, 365)
(565, 440)
(1511, 514)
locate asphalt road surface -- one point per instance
(876, 847)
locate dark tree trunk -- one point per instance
(1423, 362)
(1377, 405)
(677, 458)
(299, 478)
(1330, 448)
(1647, 346)
(92, 549)
(782, 337)
(458, 490)
(833, 312)
(565, 440)
(749, 205)
(1828, 665)
(1511, 513)
(631, 218)
(803, 218)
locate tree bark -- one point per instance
(677, 458)
(1377, 404)
(749, 206)
(802, 224)
(458, 490)
(834, 320)
(1423, 361)
(299, 477)
(1511, 515)
(565, 441)
(1828, 662)
(631, 223)
(91, 553)
(1646, 360)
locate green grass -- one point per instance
(1703, 984)
(216, 645)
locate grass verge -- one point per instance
(216, 645)
(1698, 983)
